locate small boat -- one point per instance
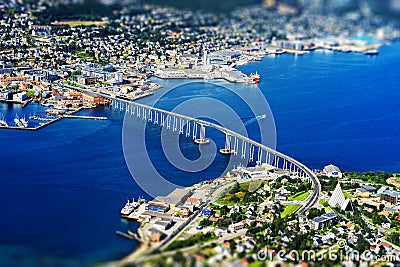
(18, 122)
(3, 121)
(59, 107)
(24, 122)
(255, 77)
(260, 117)
(371, 52)
(55, 111)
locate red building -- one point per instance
(93, 98)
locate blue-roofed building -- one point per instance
(206, 212)
(369, 188)
(381, 190)
(325, 220)
(390, 196)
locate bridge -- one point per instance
(235, 144)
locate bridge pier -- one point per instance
(144, 115)
(132, 110)
(155, 117)
(181, 125)
(162, 120)
(243, 149)
(259, 156)
(174, 128)
(202, 140)
(150, 116)
(169, 122)
(187, 129)
(194, 131)
(227, 149)
(251, 158)
(236, 146)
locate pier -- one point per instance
(85, 117)
(68, 116)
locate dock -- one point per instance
(124, 235)
(32, 129)
(53, 121)
(85, 117)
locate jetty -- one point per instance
(85, 117)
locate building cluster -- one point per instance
(239, 230)
(170, 43)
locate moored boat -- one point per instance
(55, 111)
(129, 207)
(255, 77)
(3, 121)
(371, 52)
(24, 122)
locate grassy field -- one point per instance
(77, 23)
(300, 196)
(348, 195)
(226, 198)
(290, 209)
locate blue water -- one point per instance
(62, 187)
(336, 107)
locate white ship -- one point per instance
(129, 207)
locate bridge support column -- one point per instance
(162, 119)
(251, 158)
(194, 131)
(132, 110)
(144, 114)
(187, 129)
(227, 149)
(202, 140)
(243, 149)
(126, 108)
(236, 146)
(150, 115)
(174, 128)
(137, 112)
(169, 122)
(259, 156)
(181, 125)
(155, 117)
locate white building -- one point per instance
(236, 226)
(338, 200)
(332, 171)
(19, 97)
